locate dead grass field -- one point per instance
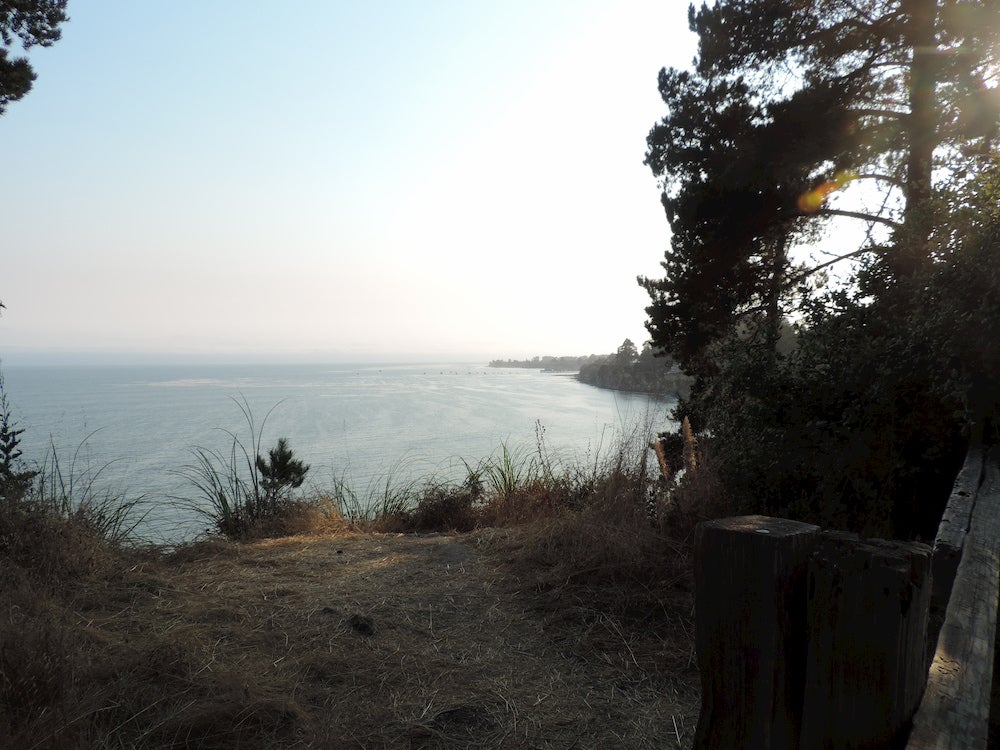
(354, 641)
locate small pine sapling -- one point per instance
(280, 472)
(15, 478)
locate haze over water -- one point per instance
(135, 426)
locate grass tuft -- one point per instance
(64, 524)
(243, 494)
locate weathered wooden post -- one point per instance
(750, 576)
(868, 605)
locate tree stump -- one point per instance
(868, 605)
(750, 576)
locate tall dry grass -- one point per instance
(66, 523)
(60, 536)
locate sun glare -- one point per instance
(813, 200)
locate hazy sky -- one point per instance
(337, 180)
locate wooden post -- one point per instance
(750, 575)
(868, 605)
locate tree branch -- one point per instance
(895, 181)
(857, 215)
(879, 113)
(792, 281)
(858, 11)
(815, 269)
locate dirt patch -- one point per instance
(403, 641)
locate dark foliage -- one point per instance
(281, 472)
(861, 422)
(787, 103)
(864, 423)
(15, 476)
(25, 23)
(445, 508)
(637, 372)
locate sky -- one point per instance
(336, 181)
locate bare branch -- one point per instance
(879, 113)
(859, 215)
(793, 280)
(894, 181)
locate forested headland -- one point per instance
(626, 370)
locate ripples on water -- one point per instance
(365, 423)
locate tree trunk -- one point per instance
(779, 262)
(918, 220)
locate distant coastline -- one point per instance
(624, 371)
(549, 364)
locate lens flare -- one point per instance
(812, 201)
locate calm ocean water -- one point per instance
(134, 426)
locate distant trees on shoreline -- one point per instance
(636, 371)
(547, 363)
(628, 369)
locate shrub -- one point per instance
(280, 473)
(15, 477)
(440, 507)
(241, 492)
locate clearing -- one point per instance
(386, 640)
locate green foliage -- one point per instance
(440, 507)
(863, 423)
(49, 496)
(15, 477)
(643, 372)
(513, 487)
(382, 498)
(27, 23)
(627, 354)
(831, 435)
(786, 105)
(281, 472)
(859, 420)
(512, 469)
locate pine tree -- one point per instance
(27, 23)
(15, 477)
(789, 101)
(280, 472)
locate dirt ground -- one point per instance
(396, 641)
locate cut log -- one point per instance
(750, 576)
(868, 605)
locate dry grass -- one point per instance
(556, 612)
(356, 640)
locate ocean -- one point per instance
(130, 429)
